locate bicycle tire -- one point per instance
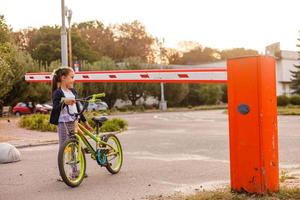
(61, 162)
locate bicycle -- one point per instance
(71, 157)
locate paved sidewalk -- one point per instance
(11, 133)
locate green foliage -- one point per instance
(296, 76)
(296, 80)
(200, 55)
(114, 125)
(295, 100)
(112, 90)
(203, 94)
(44, 45)
(137, 108)
(6, 78)
(283, 100)
(237, 52)
(224, 95)
(289, 110)
(38, 122)
(134, 91)
(134, 41)
(175, 93)
(4, 31)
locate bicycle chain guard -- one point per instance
(101, 157)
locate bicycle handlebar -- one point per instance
(93, 98)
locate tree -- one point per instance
(14, 63)
(112, 90)
(4, 30)
(132, 40)
(175, 93)
(203, 94)
(99, 38)
(295, 85)
(44, 45)
(174, 56)
(200, 55)
(6, 78)
(237, 52)
(134, 91)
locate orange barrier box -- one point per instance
(252, 106)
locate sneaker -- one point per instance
(74, 174)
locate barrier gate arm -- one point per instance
(207, 75)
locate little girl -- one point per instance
(63, 92)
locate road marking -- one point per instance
(173, 157)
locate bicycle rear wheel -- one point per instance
(114, 157)
(71, 163)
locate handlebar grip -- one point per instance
(97, 96)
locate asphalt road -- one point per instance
(163, 153)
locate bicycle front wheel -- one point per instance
(71, 163)
(114, 155)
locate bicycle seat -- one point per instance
(99, 119)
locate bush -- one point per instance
(38, 122)
(295, 100)
(137, 108)
(113, 125)
(283, 100)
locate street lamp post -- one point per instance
(64, 43)
(162, 103)
(69, 17)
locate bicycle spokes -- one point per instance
(72, 162)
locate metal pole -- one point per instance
(64, 43)
(162, 103)
(69, 16)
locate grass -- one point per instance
(225, 194)
(195, 108)
(284, 175)
(285, 192)
(289, 110)
(283, 110)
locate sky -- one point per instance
(219, 24)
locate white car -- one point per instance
(97, 106)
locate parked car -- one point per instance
(48, 107)
(22, 108)
(28, 108)
(39, 108)
(97, 106)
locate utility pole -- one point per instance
(69, 17)
(63, 33)
(162, 103)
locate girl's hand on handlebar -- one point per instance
(69, 101)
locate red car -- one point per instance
(21, 109)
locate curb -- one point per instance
(51, 142)
(36, 145)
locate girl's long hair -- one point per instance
(58, 73)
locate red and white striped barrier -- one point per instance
(208, 75)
